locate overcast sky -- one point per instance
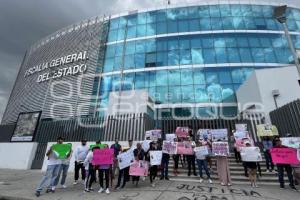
(22, 22)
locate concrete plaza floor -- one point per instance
(20, 184)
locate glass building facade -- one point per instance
(194, 55)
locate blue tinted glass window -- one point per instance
(267, 11)
(119, 49)
(110, 51)
(150, 60)
(225, 76)
(162, 59)
(194, 25)
(247, 72)
(140, 46)
(130, 48)
(114, 23)
(141, 30)
(151, 17)
(151, 29)
(257, 11)
(113, 36)
(236, 10)
(175, 94)
(174, 77)
(151, 79)
(230, 41)
(129, 62)
(196, 43)
(209, 56)
(161, 15)
(172, 26)
(227, 23)
(228, 95)
(258, 55)
(131, 20)
(162, 45)
(200, 93)
(219, 42)
(108, 65)
(216, 23)
(131, 32)
(207, 42)
(173, 57)
(271, 24)
(214, 92)
(173, 44)
(128, 82)
(105, 84)
(118, 63)
(246, 10)
(161, 95)
(204, 11)
(150, 46)
(283, 55)
(254, 42)
(205, 24)
(184, 44)
(221, 55)
(237, 76)
(142, 18)
(242, 41)
(238, 23)
(172, 13)
(187, 94)
(245, 55)
(265, 42)
(197, 57)
(225, 10)
(162, 78)
(139, 60)
(233, 55)
(183, 25)
(193, 12)
(199, 77)
(186, 77)
(121, 33)
(260, 23)
(214, 11)
(211, 77)
(229, 111)
(185, 57)
(249, 23)
(161, 28)
(122, 22)
(116, 82)
(140, 80)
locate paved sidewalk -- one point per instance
(20, 184)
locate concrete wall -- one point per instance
(75, 144)
(259, 86)
(17, 155)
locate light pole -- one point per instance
(280, 15)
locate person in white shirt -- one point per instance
(90, 171)
(64, 167)
(53, 167)
(80, 155)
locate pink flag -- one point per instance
(284, 156)
(103, 156)
(139, 168)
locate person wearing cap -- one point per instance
(281, 167)
(80, 154)
(124, 173)
(52, 170)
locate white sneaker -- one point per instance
(153, 184)
(100, 190)
(143, 178)
(63, 186)
(201, 180)
(75, 183)
(107, 191)
(53, 188)
(267, 170)
(210, 181)
(255, 185)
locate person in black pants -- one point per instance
(176, 161)
(139, 154)
(164, 163)
(282, 167)
(153, 168)
(191, 162)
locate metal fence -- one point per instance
(287, 119)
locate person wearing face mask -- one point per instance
(80, 154)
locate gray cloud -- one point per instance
(24, 22)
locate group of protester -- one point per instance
(57, 169)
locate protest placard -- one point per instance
(293, 142)
(62, 151)
(220, 148)
(219, 134)
(169, 147)
(251, 154)
(185, 148)
(155, 157)
(240, 135)
(284, 156)
(170, 137)
(298, 154)
(146, 145)
(201, 151)
(139, 168)
(266, 130)
(153, 134)
(203, 134)
(103, 156)
(182, 132)
(126, 158)
(241, 127)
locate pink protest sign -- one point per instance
(139, 168)
(182, 132)
(103, 156)
(284, 156)
(185, 148)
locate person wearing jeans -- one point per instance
(202, 163)
(53, 166)
(64, 167)
(165, 165)
(268, 145)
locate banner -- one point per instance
(241, 127)
(125, 159)
(219, 134)
(185, 148)
(284, 156)
(170, 137)
(139, 168)
(220, 148)
(293, 142)
(153, 134)
(203, 133)
(61, 150)
(103, 156)
(298, 154)
(155, 157)
(182, 132)
(266, 130)
(240, 135)
(146, 145)
(169, 147)
(251, 154)
(201, 151)
(101, 146)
